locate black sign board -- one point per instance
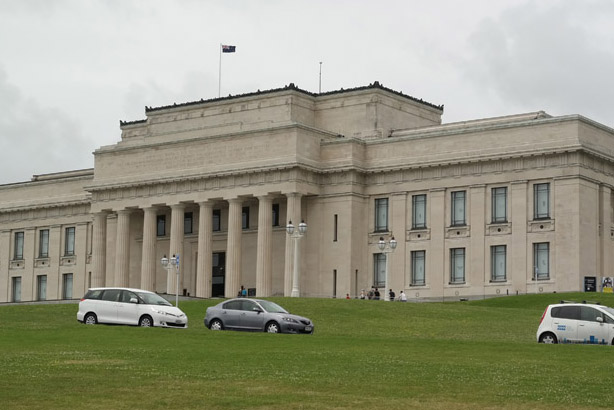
(590, 284)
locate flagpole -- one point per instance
(320, 87)
(219, 85)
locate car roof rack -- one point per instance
(592, 302)
(568, 301)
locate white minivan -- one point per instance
(125, 306)
(577, 323)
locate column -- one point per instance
(204, 264)
(263, 261)
(293, 213)
(99, 251)
(148, 260)
(176, 248)
(122, 249)
(232, 281)
(521, 266)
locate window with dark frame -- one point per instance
(381, 215)
(458, 208)
(275, 214)
(69, 242)
(499, 205)
(161, 225)
(335, 221)
(379, 270)
(188, 223)
(43, 243)
(18, 252)
(418, 268)
(245, 217)
(418, 205)
(498, 261)
(457, 265)
(217, 220)
(541, 261)
(541, 201)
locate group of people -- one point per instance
(374, 294)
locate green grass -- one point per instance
(364, 354)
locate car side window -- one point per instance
(589, 314)
(111, 295)
(248, 305)
(93, 294)
(233, 305)
(127, 295)
(570, 312)
(608, 319)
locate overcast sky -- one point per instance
(70, 70)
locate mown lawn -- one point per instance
(364, 354)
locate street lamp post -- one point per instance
(387, 248)
(168, 265)
(296, 235)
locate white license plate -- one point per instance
(307, 328)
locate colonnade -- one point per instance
(264, 285)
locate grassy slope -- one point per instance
(364, 354)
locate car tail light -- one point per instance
(543, 315)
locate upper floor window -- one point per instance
(187, 222)
(541, 261)
(458, 208)
(499, 205)
(161, 225)
(381, 214)
(245, 217)
(418, 268)
(69, 244)
(418, 215)
(217, 220)
(498, 263)
(457, 265)
(541, 201)
(18, 253)
(43, 243)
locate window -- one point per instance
(41, 287)
(541, 261)
(18, 254)
(458, 208)
(457, 265)
(43, 243)
(499, 205)
(541, 201)
(67, 286)
(217, 220)
(417, 268)
(418, 218)
(16, 288)
(245, 217)
(498, 263)
(69, 244)
(161, 225)
(335, 222)
(275, 214)
(187, 222)
(381, 214)
(379, 270)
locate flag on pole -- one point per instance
(228, 49)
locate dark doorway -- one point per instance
(219, 273)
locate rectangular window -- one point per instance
(379, 270)
(217, 220)
(541, 260)
(16, 288)
(498, 263)
(458, 208)
(418, 217)
(335, 221)
(67, 286)
(18, 254)
(499, 205)
(381, 215)
(457, 265)
(275, 214)
(417, 268)
(69, 244)
(41, 287)
(187, 222)
(245, 217)
(43, 243)
(161, 225)
(541, 201)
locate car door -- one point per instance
(565, 323)
(106, 310)
(231, 312)
(251, 319)
(591, 327)
(127, 308)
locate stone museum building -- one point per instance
(514, 204)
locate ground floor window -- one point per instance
(417, 268)
(67, 286)
(457, 265)
(16, 289)
(541, 261)
(498, 263)
(41, 287)
(379, 270)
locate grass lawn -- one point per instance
(364, 354)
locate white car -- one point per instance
(577, 323)
(125, 306)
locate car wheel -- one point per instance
(272, 327)
(548, 338)
(90, 319)
(216, 325)
(146, 321)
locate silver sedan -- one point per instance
(255, 315)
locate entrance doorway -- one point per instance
(219, 273)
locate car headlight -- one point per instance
(289, 319)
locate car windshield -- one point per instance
(609, 310)
(153, 299)
(272, 307)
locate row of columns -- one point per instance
(204, 264)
